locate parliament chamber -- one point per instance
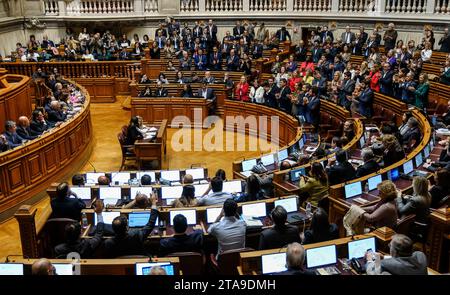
(224, 138)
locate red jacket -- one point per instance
(241, 92)
(374, 81)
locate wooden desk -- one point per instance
(151, 150)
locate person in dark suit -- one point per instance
(365, 100)
(408, 88)
(63, 206)
(212, 31)
(24, 130)
(320, 82)
(4, 145)
(215, 59)
(181, 242)
(56, 114)
(283, 34)
(38, 123)
(238, 30)
(197, 30)
(73, 243)
(283, 96)
(320, 230)
(312, 103)
(295, 261)
(347, 88)
(404, 57)
(348, 36)
(133, 133)
(256, 49)
(301, 51)
(316, 52)
(341, 171)
(325, 34)
(269, 96)
(208, 93)
(445, 41)
(280, 234)
(13, 139)
(371, 43)
(364, 35)
(386, 80)
(232, 61)
(160, 90)
(369, 166)
(130, 241)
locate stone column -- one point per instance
(169, 7)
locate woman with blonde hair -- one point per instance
(384, 213)
(418, 203)
(421, 92)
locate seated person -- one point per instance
(38, 123)
(412, 136)
(208, 78)
(336, 145)
(103, 180)
(4, 145)
(129, 241)
(160, 90)
(370, 164)
(393, 151)
(320, 230)
(315, 185)
(187, 179)
(24, 130)
(187, 91)
(181, 242)
(403, 260)
(217, 197)
(418, 203)
(42, 267)
(56, 114)
(146, 92)
(146, 180)
(12, 138)
(349, 130)
(295, 261)
(78, 179)
(73, 243)
(187, 198)
(253, 190)
(280, 234)
(341, 171)
(133, 133)
(141, 201)
(441, 189)
(229, 231)
(384, 213)
(63, 206)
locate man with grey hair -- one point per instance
(13, 139)
(348, 36)
(295, 260)
(370, 165)
(56, 114)
(403, 260)
(390, 37)
(42, 267)
(411, 138)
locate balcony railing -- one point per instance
(260, 7)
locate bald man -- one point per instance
(56, 114)
(24, 130)
(295, 260)
(141, 201)
(188, 179)
(103, 180)
(42, 267)
(157, 271)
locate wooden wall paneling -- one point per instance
(122, 86)
(160, 112)
(15, 176)
(50, 158)
(35, 167)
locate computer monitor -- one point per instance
(146, 190)
(254, 210)
(120, 178)
(290, 204)
(149, 173)
(408, 167)
(419, 160)
(108, 217)
(248, 164)
(138, 219)
(197, 173)
(191, 216)
(212, 213)
(321, 256)
(83, 193)
(362, 141)
(110, 195)
(92, 177)
(282, 155)
(273, 263)
(357, 249)
(374, 181)
(426, 151)
(353, 189)
(171, 175)
(393, 174)
(301, 143)
(233, 186)
(171, 192)
(200, 189)
(268, 160)
(11, 269)
(296, 173)
(63, 269)
(145, 268)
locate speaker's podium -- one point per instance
(153, 147)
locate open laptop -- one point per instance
(295, 174)
(120, 178)
(63, 269)
(83, 193)
(11, 269)
(374, 181)
(110, 195)
(232, 186)
(190, 214)
(323, 259)
(171, 175)
(146, 190)
(152, 174)
(252, 214)
(212, 214)
(170, 193)
(273, 263)
(108, 217)
(197, 173)
(145, 268)
(357, 249)
(92, 177)
(200, 189)
(268, 160)
(248, 165)
(290, 205)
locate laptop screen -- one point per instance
(110, 193)
(145, 268)
(254, 210)
(321, 256)
(138, 219)
(83, 193)
(200, 189)
(282, 155)
(273, 263)
(212, 213)
(11, 269)
(171, 192)
(295, 174)
(374, 181)
(248, 164)
(63, 269)
(290, 204)
(191, 216)
(426, 151)
(171, 175)
(353, 189)
(108, 217)
(197, 173)
(301, 143)
(268, 160)
(419, 159)
(362, 142)
(393, 175)
(120, 177)
(92, 177)
(149, 173)
(146, 190)
(408, 167)
(357, 249)
(233, 186)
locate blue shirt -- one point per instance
(230, 233)
(217, 198)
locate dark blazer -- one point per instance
(313, 112)
(67, 208)
(370, 166)
(237, 31)
(414, 205)
(161, 92)
(132, 135)
(366, 103)
(344, 39)
(316, 54)
(364, 36)
(13, 139)
(416, 264)
(212, 32)
(386, 83)
(437, 193)
(341, 172)
(132, 242)
(283, 36)
(311, 237)
(182, 243)
(26, 133)
(285, 102)
(278, 237)
(56, 116)
(296, 272)
(347, 90)
(85, 247)
(217, 59)
(232, 63)
(38, 127)
(300, 53)
(445, 44)
(324, 35)
(209, 93)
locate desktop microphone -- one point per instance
(15, 255)
(95, 170)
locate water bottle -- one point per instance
(84, 220)
(308, 209)
(377, 263)
(366, 187)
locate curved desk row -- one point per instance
(31, 168)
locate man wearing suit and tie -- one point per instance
(160, 40)
(347, 88)
(12, 138)
(238, 30)
(348, 36)
(358, 44)
(24, 130)
(283, 35)
(208, 79)
(316, 52)
(197, 31)
(325, 34)
(284, 96)
(320, 82)
(215, 59)
(312, 103)
(232, 61)
(208, 93)
(212, 31)
(372, 42)
(364, 35)
(63, 206)
(160, 90)
(365, 100)
(386, 80)
(181, 241)
(408, 88)
(56, 115)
